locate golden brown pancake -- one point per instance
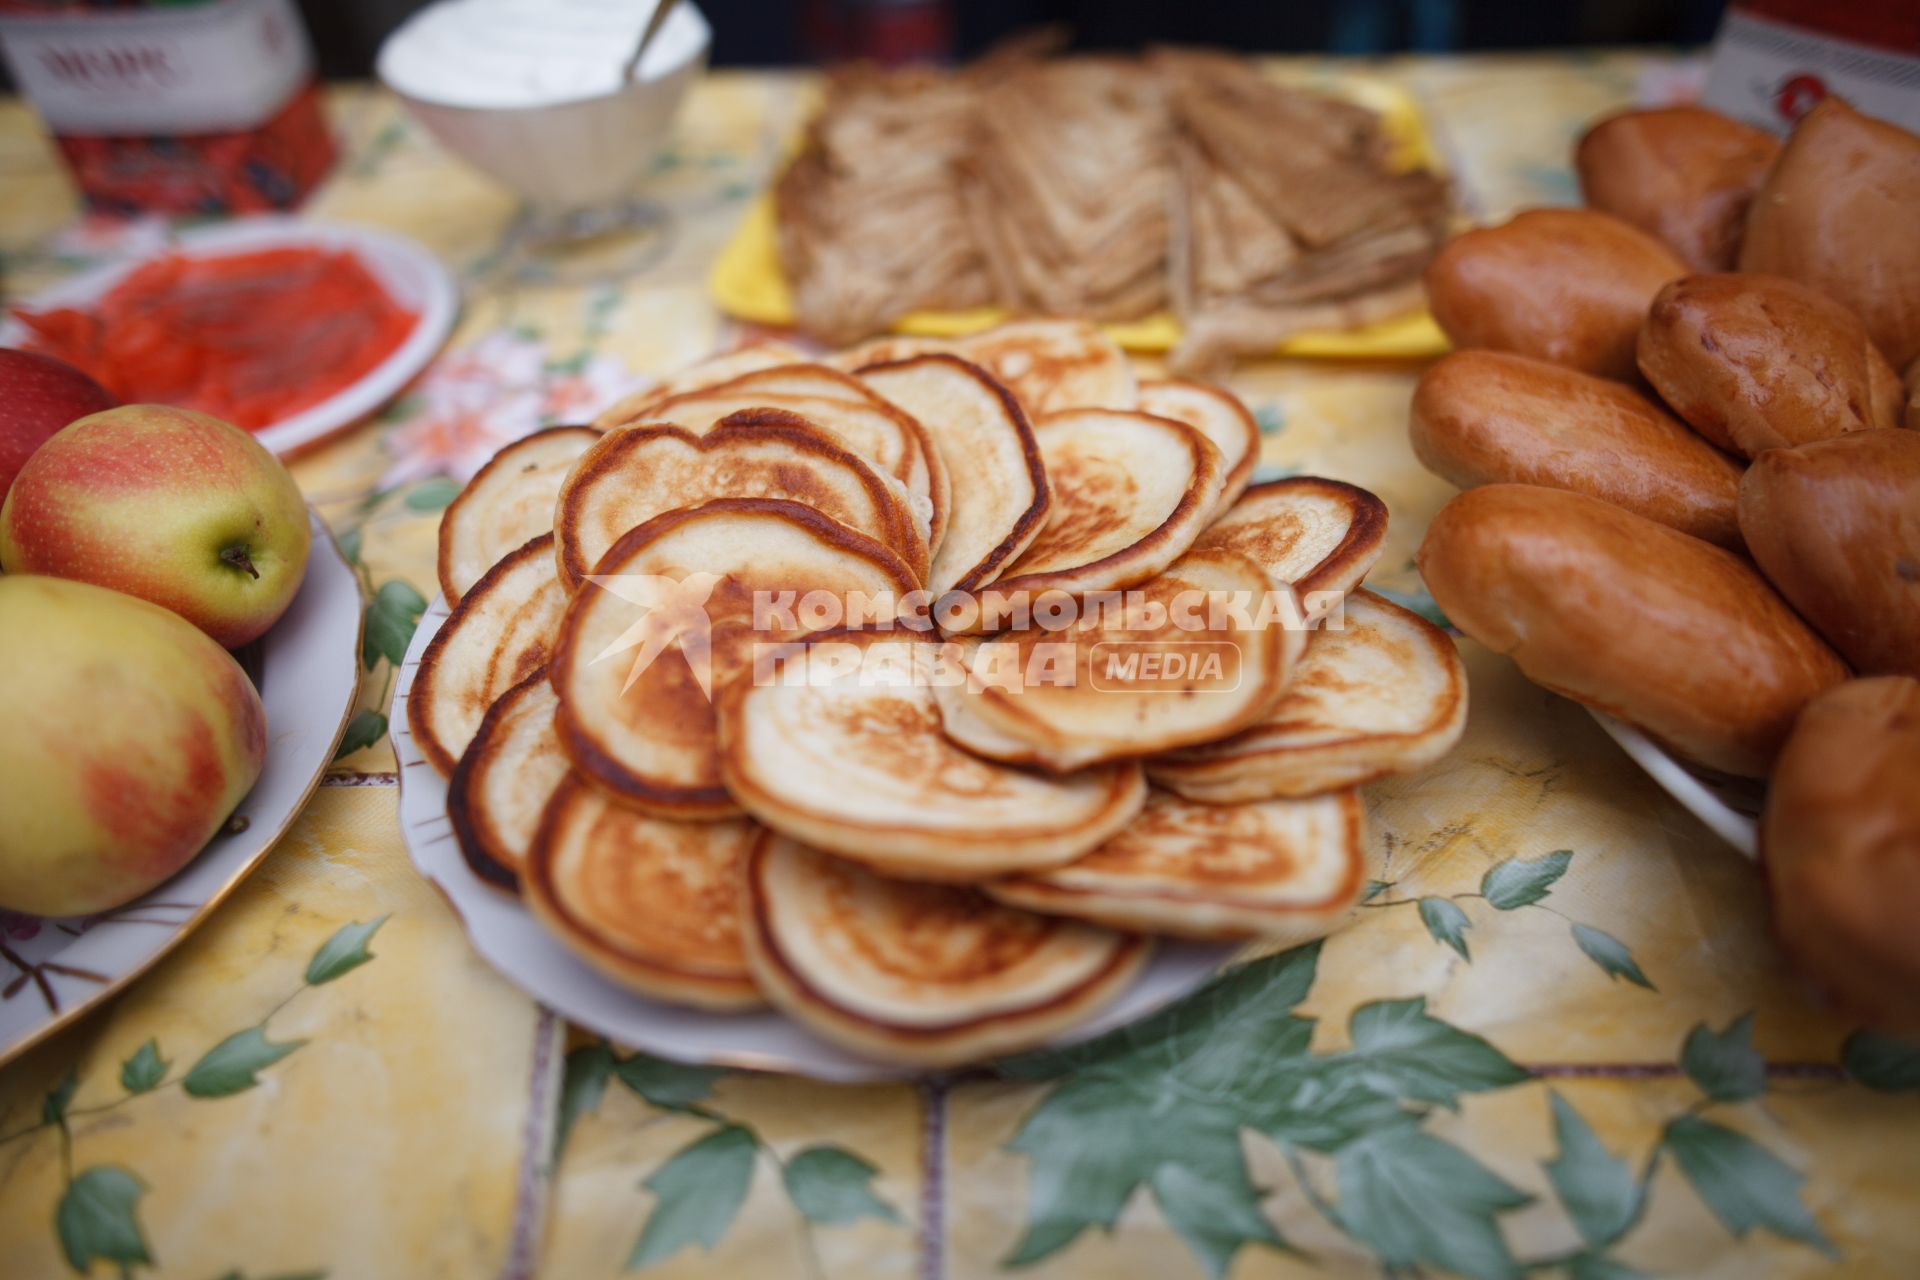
(927, 975)
(634, 715)
(710, 372)
(500, 633)
(1130, 493)
(977, 426)
(852, 759)
(1318, 535)
(1217, 414)
(1290, 870)
(504, 779)
(634, 474)
(1047, 364)
(1166, 664)
(653, 904)
(508, 501)
(888, 438)
(1385, 694)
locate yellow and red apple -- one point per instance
(166, 504)
(38, 396)
(130, 738)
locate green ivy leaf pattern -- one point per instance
(1215, 1209)
(366, 728)
(1374, 889)
(53, 1110)
(1417, 602)
(432, 495)
(1416, 1200)
(582, 1084)
(1610, 954)
(342, 953)
(389, 624)
(231, 1066)
(96, 1220)
(1597, 1189)
(1271, 418)
(1724, 1065)
(831, 1185)
(145, 1069)
(696, 1194)
(1447, 923)
(1406, 1051)
(1881, 1062)
(671, 1086)
(1744, 1184)
(1589, 1267)
(1521, 882)
(349, 542)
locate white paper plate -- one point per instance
(516, 944)
(410, 273)
(1729, 806)
(309, 670)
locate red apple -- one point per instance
(130, 738)
(38, 396)
(166, 504)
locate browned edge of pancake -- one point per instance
(544, 899)
(423, 737)
(686, 803)
(745, 424)
(1448, 654)
(1035, 515)
(1353, 813)
(1368, 529)
(1239, 473)
(857, 392)
(1123, 957)
(479, 842)
(442, 569)
(1124, 771)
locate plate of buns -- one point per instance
(886, 713)
(1686, 420)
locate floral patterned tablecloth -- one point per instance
(1559, 1039)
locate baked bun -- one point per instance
(1758, 362)
(1566, 285)
(1684, 175)
(1912, 417)
(1841, 843)
(1489, 417)
(1629, 617)
(1839, 213)
(1836, 526)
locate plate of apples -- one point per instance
(179, 643)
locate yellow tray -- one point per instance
(747, 283)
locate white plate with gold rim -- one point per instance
(513, 942)
(307, 669)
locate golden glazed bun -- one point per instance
(1841, 212)
(1684, 175)
(1487, 417)
(1632, 618)
(1566, 285)
(1836, 526)
(1841, 845)
(1757, 362)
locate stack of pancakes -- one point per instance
(1108, 187)
(899, 690)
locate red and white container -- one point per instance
(1774, 59)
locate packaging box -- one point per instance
(1773, 59)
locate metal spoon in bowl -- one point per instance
(631, 71)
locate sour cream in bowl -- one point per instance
(531, 91)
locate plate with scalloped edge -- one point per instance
(1729, 806)
(308, 672)
(508, 937)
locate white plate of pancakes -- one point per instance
(901, 710)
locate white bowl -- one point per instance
(569, 156)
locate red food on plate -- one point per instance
(253, 338)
